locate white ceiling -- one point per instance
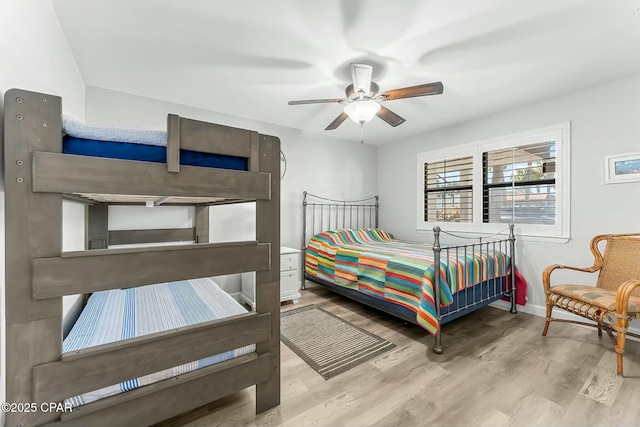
(249, 57)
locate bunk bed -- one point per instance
(39, 174)
(345, 251)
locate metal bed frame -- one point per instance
(38, 274)
(322, 214)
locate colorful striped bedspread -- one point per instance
(121, 314)
(374, 262)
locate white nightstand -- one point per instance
(289, 279)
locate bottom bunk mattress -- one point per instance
(121, 314)
(375, 263)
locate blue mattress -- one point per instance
(148, 153)
(121, 314)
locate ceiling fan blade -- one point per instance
(338, 121)
(413, 91)
(317, 101)
(361, 76)
(390, 117)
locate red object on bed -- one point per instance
(521, 289)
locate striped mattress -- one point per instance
(376, 263)
(121, 314)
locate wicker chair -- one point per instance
(615, 300)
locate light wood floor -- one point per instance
(496, 370)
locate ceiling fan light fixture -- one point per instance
(362, 111)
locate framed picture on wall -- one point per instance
(621, 168)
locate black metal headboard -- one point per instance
(322, 214)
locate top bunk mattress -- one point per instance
(148, 153)
(135, 144)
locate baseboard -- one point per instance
(540, 311)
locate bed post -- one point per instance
(377, 211)
(33, 229)
(437, 348)
(512, 249)
(268, 281)
(303, 253)
(97, 231)
(173, 143)
(202, 224)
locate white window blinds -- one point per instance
(448, 190)
(519, 184)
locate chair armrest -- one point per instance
(622, 295)
(546, 274)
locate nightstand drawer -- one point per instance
(290, 273)
(286, 258)
(289, 266)
(289, 286)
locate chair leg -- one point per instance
(622, 335)
(548, 318)
(599, 330)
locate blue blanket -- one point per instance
(74, 128)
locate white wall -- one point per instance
(73, 239)
(316, 163)
(604, 120)
(34, 55)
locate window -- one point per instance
(448, 188)
(483, 186)
(519, 184)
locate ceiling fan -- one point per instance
(363, 98)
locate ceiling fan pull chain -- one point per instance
(362, 133)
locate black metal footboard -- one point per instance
(474, 296)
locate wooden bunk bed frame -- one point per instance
(321, 214)
(38, 274)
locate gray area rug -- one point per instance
(327, 343)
